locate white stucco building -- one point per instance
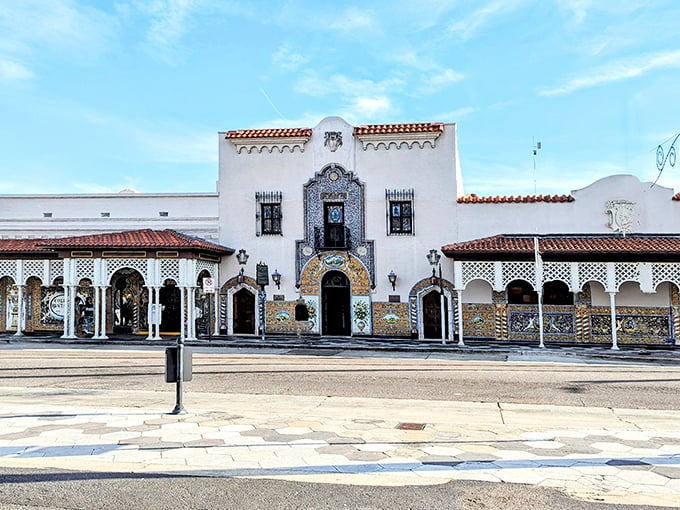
(345, 218)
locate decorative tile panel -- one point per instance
(479, 321)
(639, 325)
(334, 184)
(361, 315)
(391, 319)
(353, 268)
(558, 325)
(313, 309)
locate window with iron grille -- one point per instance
(268, 214)
(399, 212)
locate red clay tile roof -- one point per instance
(381, 129)
(474, 199)
(21, 246)
(136, 239)
(269, 133)
(639, 247)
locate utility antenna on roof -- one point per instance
(536, 148)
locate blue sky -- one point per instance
(98, 96)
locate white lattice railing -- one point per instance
(518, 271)
(478, 271)
(610, 275)
(113, 265)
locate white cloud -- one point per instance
(367, 108)
(13, 71)
(288, 59)
(313, 84)
(56, 27)
(470, 24)
(578, 8)
(581, 9)
(353, 19)
(170, 20)
(431, 83)
(181, 147)
(619, 71)
(454, 115)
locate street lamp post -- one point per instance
(433, 258)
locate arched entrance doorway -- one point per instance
(335, 304)
(432, 314)
(244, 312)
(171, 306)
(129, 300)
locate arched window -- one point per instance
(521, 293)
(557, 293)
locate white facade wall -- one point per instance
(654, 211)
(431, 172)
(33, 216)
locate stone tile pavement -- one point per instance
(613, 455)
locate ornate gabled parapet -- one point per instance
(269, 139)
(398, 135)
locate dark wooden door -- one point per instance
(244, 312)
(335, 319)
(432, 314)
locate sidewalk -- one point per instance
(615, 455)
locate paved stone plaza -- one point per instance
(623, 456)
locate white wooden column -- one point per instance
(461, 342)
(149, 315)
(216, 311)
(103, 308)
(612, 307)
(541, 342)
(97, 311)
(191, 308)
(21, 313)
(184, 321)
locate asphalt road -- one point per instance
(308, 372)
(347, 374)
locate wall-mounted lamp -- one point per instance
(276, 276)
(433, 258)
(392, 277)
(242, 258)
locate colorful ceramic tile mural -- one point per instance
(479, 320)
(391, 319)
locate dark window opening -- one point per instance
(521, 293)
(557, 293)
(401, 217)
(271, 219)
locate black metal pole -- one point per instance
(179, 408)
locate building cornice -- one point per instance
(389, 135)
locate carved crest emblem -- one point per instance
(620, 215)
(333, 140)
